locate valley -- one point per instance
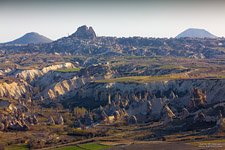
(113, 93)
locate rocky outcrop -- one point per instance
(63, 88)
(138, 108)
(30, 75)
(60, 89)
(52, 78)
(51, 121)
(60, 120)
(2, 126)
(132, 120)
(168, 115)
(85, 42)
(84, 32)
(59, 86)
(158, 94)
(56, 67)
(198, 98)
(14, 89)
(17, 117)
(160, 89)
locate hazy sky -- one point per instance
(122, 18)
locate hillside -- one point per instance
(196, 33)
(31, 38)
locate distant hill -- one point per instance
(31, 38)
(196, 33)
(85, 42)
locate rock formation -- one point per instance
(51, 121)
(168, 115)
(30, 75)
(84, 32)
(199, 98)
(132, 120)
(220, 120)
(184, 114)
(15, 89)
(116, 115)
(2, 127)
(200, 117)
(60, 120)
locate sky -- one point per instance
(121, 18)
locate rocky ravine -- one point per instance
(60, 86)
(177, 93)
(81, 88)
(22, 86)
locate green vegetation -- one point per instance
(87, 146)
(69, 148)
(172, 67)
(17, 147)
(208, 142)
(94, 146)
(68, 70)
(220, 76)
(143, 79)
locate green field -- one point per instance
(143, 79)
(17, 147)
(208, 142)
(87, 146)
(68, 70)
(178, 67)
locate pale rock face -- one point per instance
(61, 88)
(68, 85)
(169, 112)
(214, 89)
(184, 89)
(7, 70)
(30, 75)
(56, 67)
(14, 90)
(57, 86)
(51, 78)
(1, 73)
(51, 121)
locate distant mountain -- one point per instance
(84, 42)
(31, 38)
(196, 33)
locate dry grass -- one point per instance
(144, 79)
